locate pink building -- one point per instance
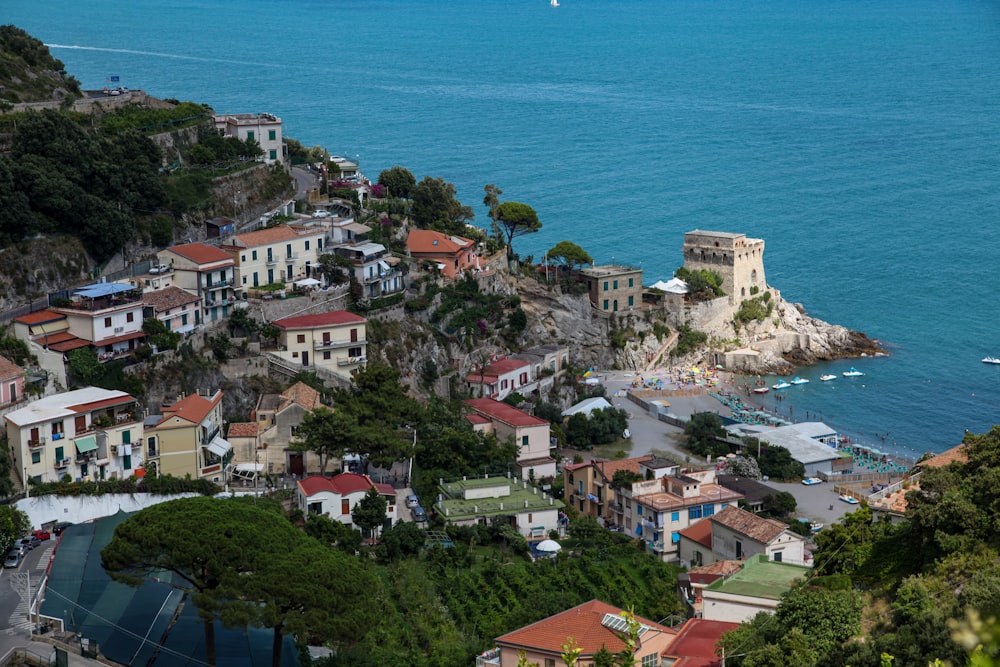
(11, 382)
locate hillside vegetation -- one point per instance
(29, 73)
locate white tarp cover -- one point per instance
(219, 446)
(548, 545)
(672, 286)
(307, 282)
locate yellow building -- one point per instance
(334, 341)
(280, 254)
(187, 438)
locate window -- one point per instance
(255, 281)
(354, 352)
(127, 462)
(243, 258)
(605, 304)
(675, 516)
(550, 662)
(251, 136)
(244, 280)
(631, 301)
(631, 282)
(776, 556)
(253, 255)
(615, 305)
(605, 285)
(675, 537)
(524, 441)
(288, 250)
(697, 558)
(739, 550)
(615, 284)
(300, 338)
(272, 135)
(354, 335)
(649, 660)
(151, 446)
(130, 317)
(345, 506)
(307, 245)
(60, 454)
(107, 321)
(36, 456)
(273, 154)
(127, 436)
(708, 509)
(326, 355)
(581, 487)
(319, 244)
(638, 510)
(694, 513)
(295, 355)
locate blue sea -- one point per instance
(859, 138)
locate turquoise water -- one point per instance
(859, 138)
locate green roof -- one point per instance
(761, 578)
(522, 497)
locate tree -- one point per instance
(308, 591)
(779, 504)
(404, 539)
(159, 335)
(516, 219)
(333, 534)
(491, 200)
(270, 332)
(399, 181)
(13, 524)
(325, 433)
(742, 466)
(369, 512)
(210, 546)
(221, 346)
(777, 463)
(569, 254)
(703, 431)
(240, 320)
(436, 207)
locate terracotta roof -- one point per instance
(302, 394)
(120, 339)
(200, 253)
(712, 571)
(500, 411)
(168, 298)
(243, 430)
(40, 317)
(749, 524)
(476, 418)
(332, 318)
(275, 234)
(193, 408)
(426, 241)
(123, 399)
(958, 453)
(69, 344)
(48, 339)
(700, 532)
(694, 645)
(9, 369)
(343, 484)
(582, 623)
(608, 468)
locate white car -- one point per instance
(810, 481)
(321, 214)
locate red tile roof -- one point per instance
(243, 430)
(120, 339)
(40, 317)
(8, 369)
(582, 623)
(193, 408)
(507, 414)
(609, 468)
(343, 484)
(747, 523)
(694, 645)
(69, 344)
(476, 418)
(426, 241)
(706, 574)
(302, 394)
(271, 235)
(168, 298)
(199, 253)
(492, 372)
(320, 320)
(700, 532)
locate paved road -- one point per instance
(303, 181)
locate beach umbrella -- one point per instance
(548, 546)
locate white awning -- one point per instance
(250, 467)
(382, 265)
(185, 328)
(440, 267)
(307, 282)
(219, 446)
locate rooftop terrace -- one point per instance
(760, 578)
(491, 496)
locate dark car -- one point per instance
(419, 515)
(30, 542)
(60, 527)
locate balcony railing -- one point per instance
(616, 507)
(336, 344)
(63, 463)
(271, 260)
(218, 284)
(36, 442)
(351, 361)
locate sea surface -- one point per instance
(859, 138)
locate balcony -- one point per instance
(62, 464)
(36, 443)
(271, 260)
(352, 361)
(337, 344)
(218, 284)
(616, 508)
(488, 658)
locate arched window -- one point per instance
(753, 277)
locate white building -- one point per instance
(337, 496)
(263, 128)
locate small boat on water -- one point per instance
(827, 378)
(850, 500)
(554, 3)
(991, 360)
(799, 380)
(853, 373)
(781, 385)
(761, 390)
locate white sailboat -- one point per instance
(554, 3)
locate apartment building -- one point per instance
(205, 271)
(280, 254)
(186, 438)
(334, 341)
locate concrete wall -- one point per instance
(46, 510)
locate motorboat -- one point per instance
(554, 3)
(781, 385)
(799, 380)
(827, 378)
(853, 373)
(991, 360)
(761, 390)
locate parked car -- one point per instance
(13, 558)
(42, 535)
(419, 515)
(30, 542)
(60, 527)
(412, 501)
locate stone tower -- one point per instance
(739, 260)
